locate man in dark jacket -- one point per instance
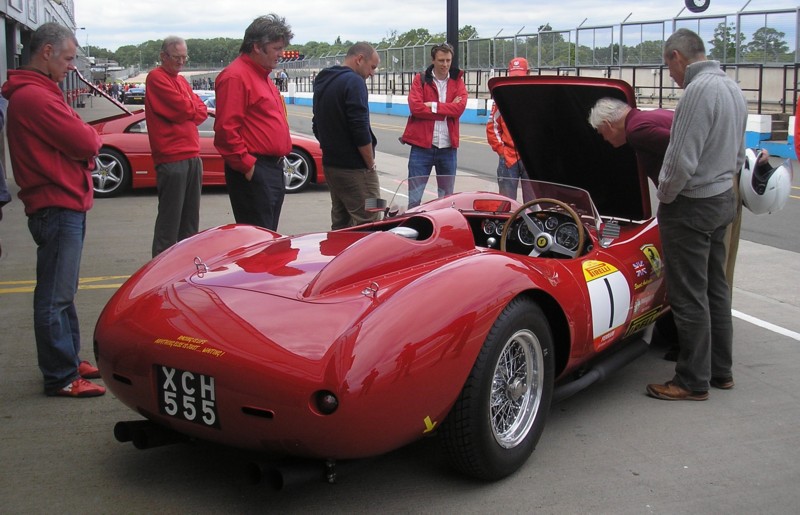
(341, 124)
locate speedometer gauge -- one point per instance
(567, 236)
(488, 227)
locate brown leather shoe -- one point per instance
(670, 391)
(723, 383)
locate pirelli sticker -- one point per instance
(640, 322)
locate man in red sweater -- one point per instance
(53, 154)
(251, 131)
(173, 112)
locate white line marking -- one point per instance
(766, 325)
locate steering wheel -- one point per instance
(543, 241)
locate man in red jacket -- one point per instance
(437, 100)
(173, 111)
(251, 129)
(53, 153)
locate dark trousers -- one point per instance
(259, 200)
(692, 231)
(179, 186)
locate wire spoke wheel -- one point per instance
(516, 389)
(500, 414)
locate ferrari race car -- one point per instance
(465, 317)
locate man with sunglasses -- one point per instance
(251, 130)
(173, 111)
(437, 100)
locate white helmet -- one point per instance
(764, 189)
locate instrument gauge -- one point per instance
(567, 236)
(551, 223)
(524, 235)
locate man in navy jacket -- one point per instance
(341, 124)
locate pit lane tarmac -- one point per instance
(608, 449)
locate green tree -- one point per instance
(768, 46)
(723, 44)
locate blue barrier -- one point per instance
(757, 135)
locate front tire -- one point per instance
(500, 414)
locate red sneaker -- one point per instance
(87, 371)
(79, 388)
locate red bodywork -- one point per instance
(375, 318)
(391, 325)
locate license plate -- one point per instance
(187, 395)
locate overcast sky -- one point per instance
(114, 23)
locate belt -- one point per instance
(269, 159)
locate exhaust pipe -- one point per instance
(282, 475)
(601, 370)
(145, 434)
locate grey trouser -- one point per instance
(349, 189)
(692, 233)
(179, 186)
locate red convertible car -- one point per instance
(465, 317)
(125, 160)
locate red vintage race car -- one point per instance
(125, 160)
(464, 317)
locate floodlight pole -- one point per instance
(88, 54)
(452, 28)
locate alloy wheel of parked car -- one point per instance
(298, 171)
(500, 414)
(111, 175)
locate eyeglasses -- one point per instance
(178, 58)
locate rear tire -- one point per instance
(111, 175)
(301, 167)
(500, 414)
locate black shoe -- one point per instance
(672, 354)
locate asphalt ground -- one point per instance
(609, 449)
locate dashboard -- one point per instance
(560, 226)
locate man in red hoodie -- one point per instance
(173, 111)
(52, 154)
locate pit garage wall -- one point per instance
(759, 126)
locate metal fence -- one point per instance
(761, 49)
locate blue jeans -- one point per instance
(59, 235)
(508, 178)
(692, 233)
(420, 162)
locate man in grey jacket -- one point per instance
(697, 200)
